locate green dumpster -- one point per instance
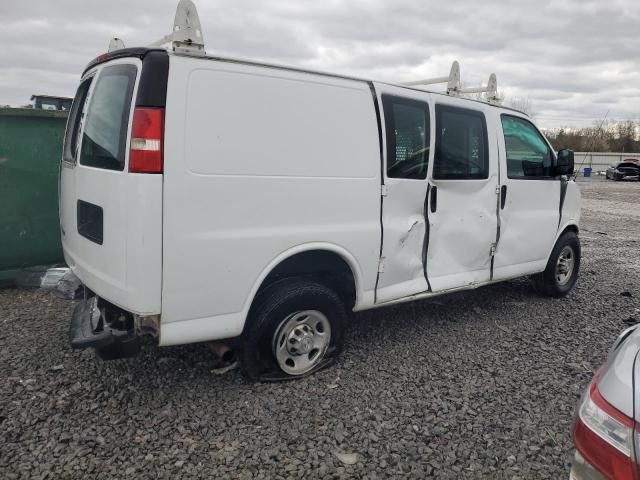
(30, 150)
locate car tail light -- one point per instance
(147, 132)
(604, 436)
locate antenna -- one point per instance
(186, 36)
(452, 81)
(115, 44)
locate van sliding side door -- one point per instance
(462, 204)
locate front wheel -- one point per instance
(295, 328)
(563, 266)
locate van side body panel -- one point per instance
(259, 161)
(571, 206)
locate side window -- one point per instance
(74, 124)
(105, 134)
(528, 154)
(462, 151)
(407, 131)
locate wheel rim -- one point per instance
(301, 341)
(565, 265)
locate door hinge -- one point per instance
(384, 190)
(381, 265)
(492, 251)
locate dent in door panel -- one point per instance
(455, 246)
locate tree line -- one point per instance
(612, 136)
(606, 136)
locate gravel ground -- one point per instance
(476, 384)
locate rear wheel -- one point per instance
(295, 328)
(562, 269)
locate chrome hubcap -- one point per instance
(564, 265)
(301, 341)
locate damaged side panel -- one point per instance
(464, 193)
(407, 133)
(404, 237)
(462, 232)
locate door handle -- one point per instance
(434, 198)
(503, 196)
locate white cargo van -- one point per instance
(206, 198)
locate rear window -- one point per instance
(105, 134)
(462, 151)
(74, 124)
(632, 166)
(407, 129)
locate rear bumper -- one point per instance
(102, 326)
(583, 470)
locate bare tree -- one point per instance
(522, 104)
(612, 136)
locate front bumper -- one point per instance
(99, 325)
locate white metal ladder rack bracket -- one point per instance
(452, 81)
(454, 86)
(186, 36)
(115, 44)
(491, 90)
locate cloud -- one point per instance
(573, 59)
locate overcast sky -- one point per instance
(574, 60)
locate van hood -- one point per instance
(616, 381)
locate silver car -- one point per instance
(621, 170)
(605, 432)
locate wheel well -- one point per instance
(570, 228)
(324, 266)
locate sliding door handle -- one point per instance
(433, 201)
(503, 196)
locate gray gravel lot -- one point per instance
(476, 384)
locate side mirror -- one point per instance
(564, 164)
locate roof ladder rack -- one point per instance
(454, 87)
(186, 36)
(452, 81)
(491, 90)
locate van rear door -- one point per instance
(111, 219)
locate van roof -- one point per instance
(141, 52)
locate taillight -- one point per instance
(147, 132)
(604, 436)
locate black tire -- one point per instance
(547, 282)
(271, 308)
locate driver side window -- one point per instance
(528, 155)
(462, 151)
